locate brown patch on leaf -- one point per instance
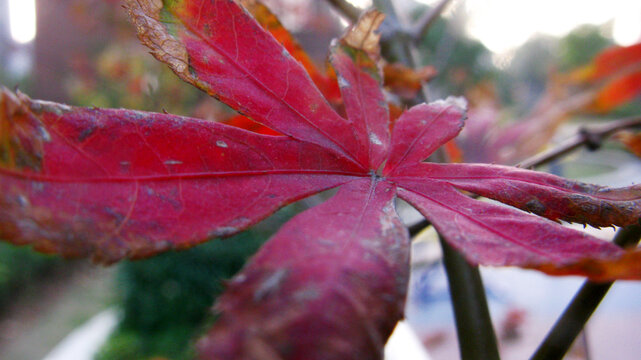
(22, 223)
(22, 134)
(145, 14)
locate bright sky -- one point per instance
(503, 25)
(22, 20)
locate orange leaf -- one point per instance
(626, 267)
(404, 81)
(614, 59)
(631, 141)
(453, 151)
(618, 91)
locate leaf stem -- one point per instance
(348, 10)
(473, 323)
(576, 315)
(591, 137)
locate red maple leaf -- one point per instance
(331, 283)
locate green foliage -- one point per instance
(581, 45)
(167, 298)
(19, 266)
(131, 344)
(121, 345)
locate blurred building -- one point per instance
(5, 37)
(17, 32)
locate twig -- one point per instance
(591, 137)
(348, 10)
(578, 312)
(473, 323)
(427, 19)
(418, 227)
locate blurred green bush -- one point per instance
(19, 266)
(166, 299)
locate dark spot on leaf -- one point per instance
(118, 217)
(86, 133)
(535, 206)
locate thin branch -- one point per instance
(473, 323)
(418, 227)
(348, 10)
(591, 137)
(576, 315)
(427, 19)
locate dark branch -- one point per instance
(591, 137)
(348, 10)
(418, 227)
(427, 19)
(477, 340)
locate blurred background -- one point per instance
(527, 69)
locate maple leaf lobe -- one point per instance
(131, 189)
(307, 294)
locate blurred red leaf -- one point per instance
(612, 61)
(618, 92)
(617, 72)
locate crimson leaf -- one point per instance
(115, 183)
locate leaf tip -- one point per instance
(145, 15)
(455, 104)
(363, 35)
